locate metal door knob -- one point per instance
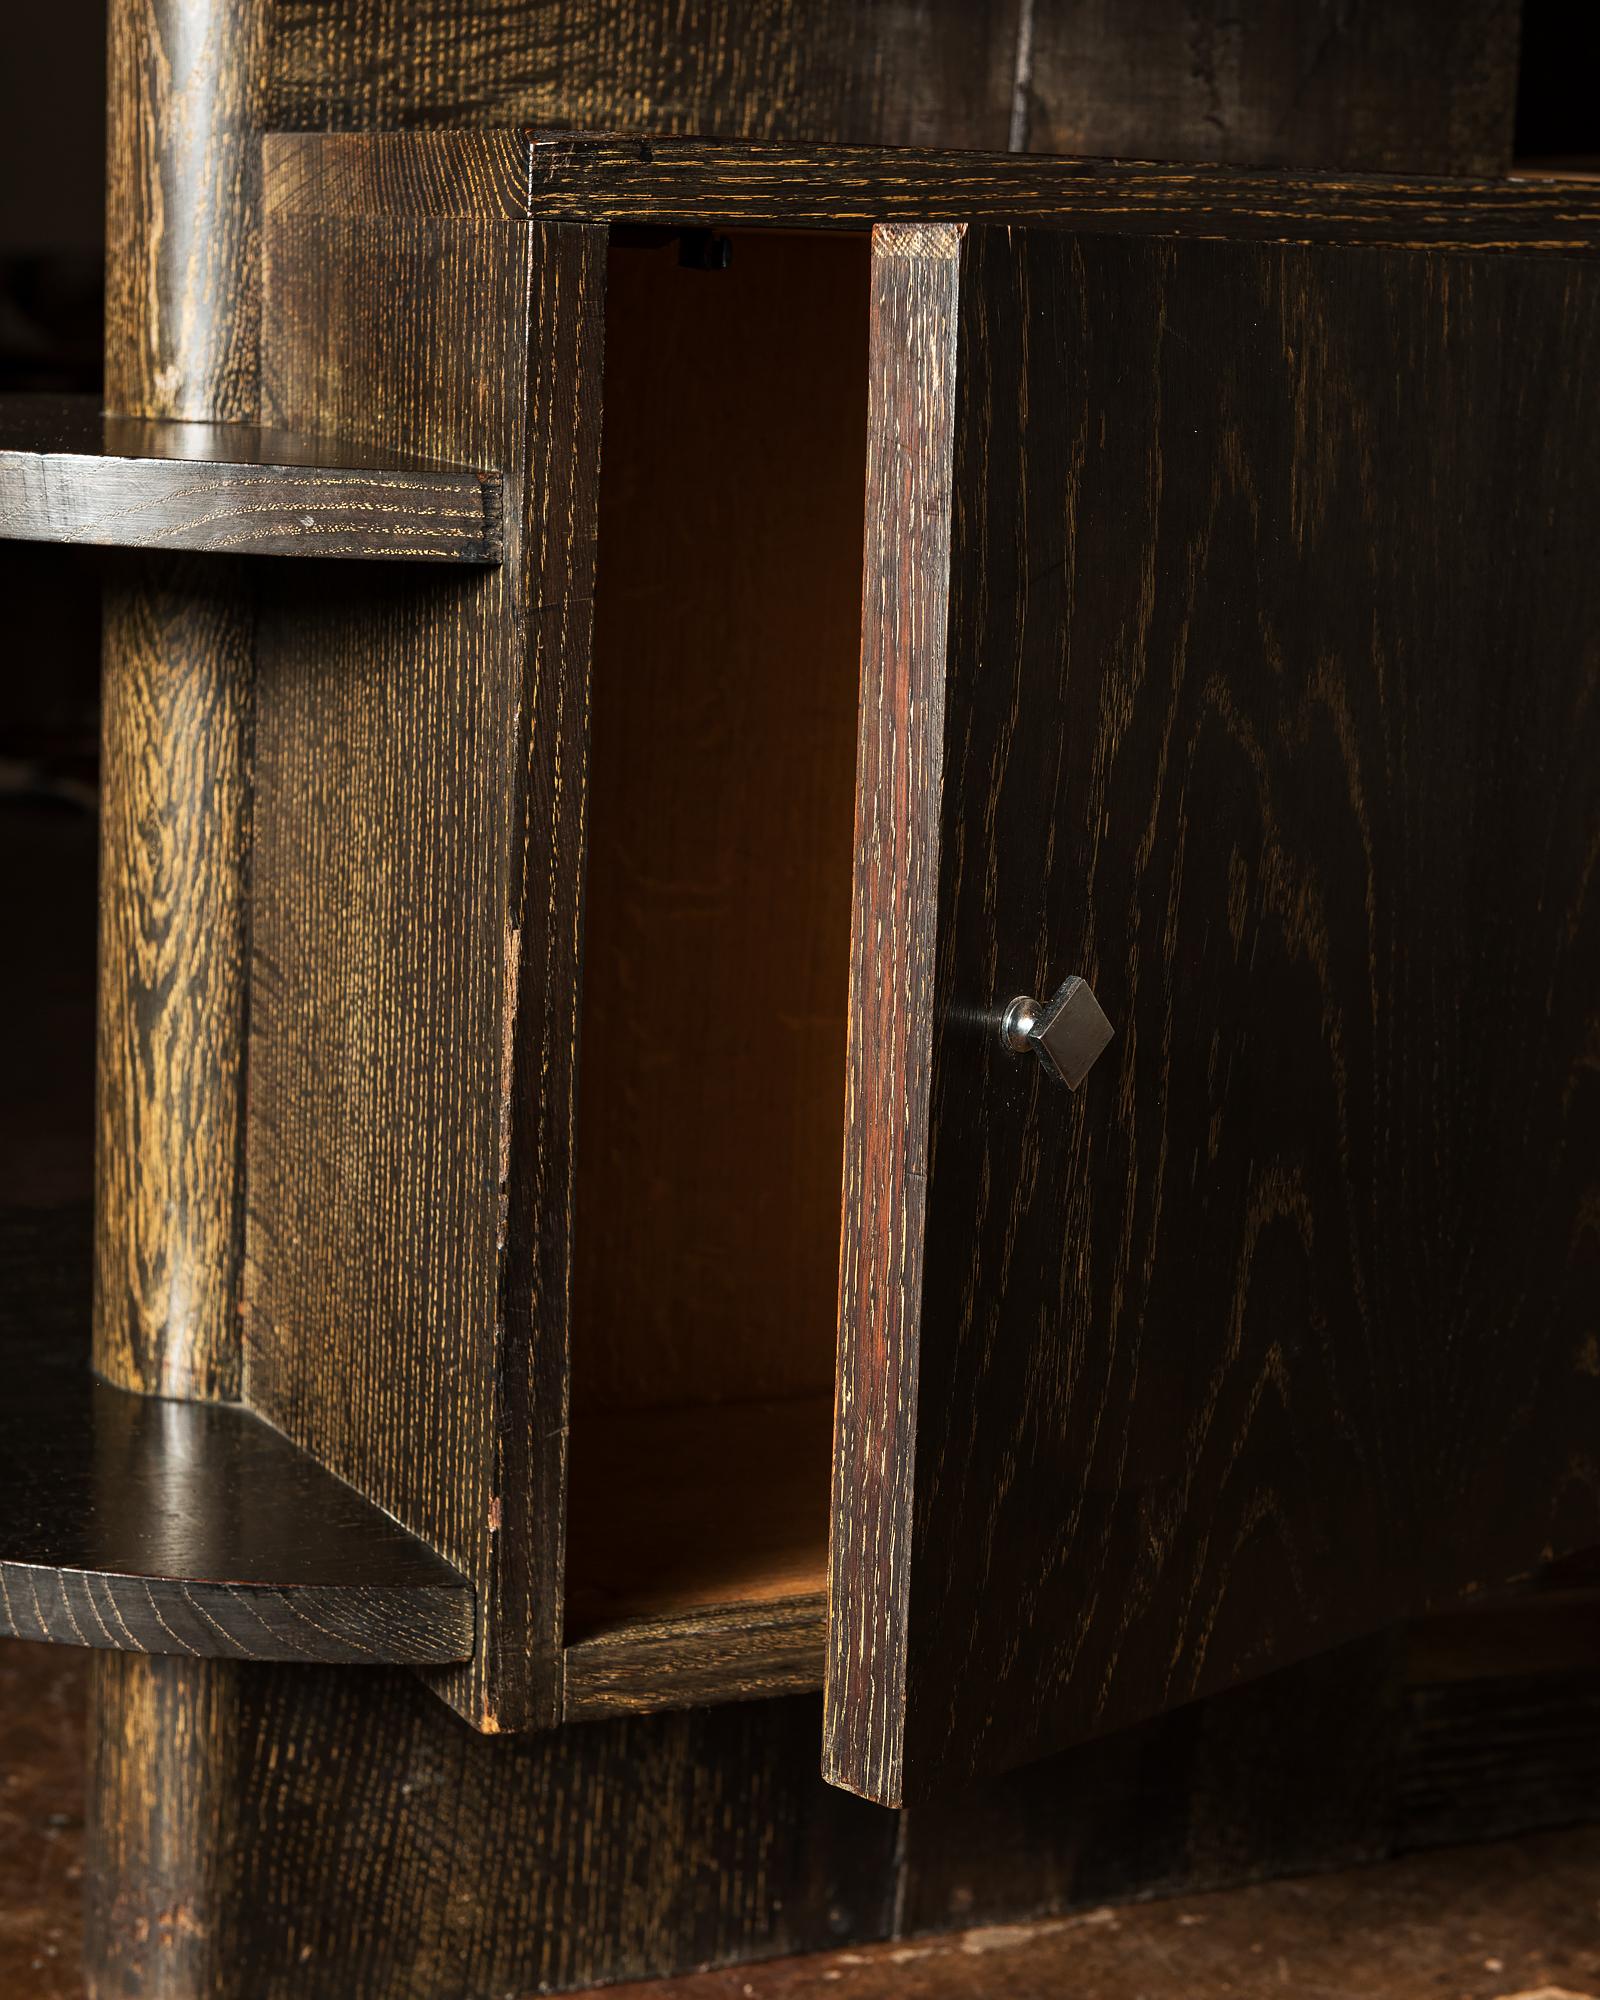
(1067, 1032)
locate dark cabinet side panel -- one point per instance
(1270, 707)
(420, 754)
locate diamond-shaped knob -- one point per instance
(1067, 1032)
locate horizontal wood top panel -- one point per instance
(604, 178)
(67, 474)
(1411, 86)
(141, 1525)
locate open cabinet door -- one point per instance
(1232, 641)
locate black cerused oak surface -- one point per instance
(419, 788)
(1410, 86)
(68, 474)
(605, 177)
(1174, 1413)
(376, 1846)
(143, 1525)
(1237, 651)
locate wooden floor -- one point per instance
(1519, 1921)
(1514, 1921)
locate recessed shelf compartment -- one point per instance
(711, 1090)
(68, 474)
(138, 1525)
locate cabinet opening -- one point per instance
(716, 927)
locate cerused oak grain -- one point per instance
(395, 1054)
(310, 1833)
(140, 1524)
(1411, 87)
(1233, 647)
(609, 177)
(1321, 83)
(185, 104)
(419, 800)
(1414, 87)
(69, 475)
(178, 654)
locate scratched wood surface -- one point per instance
(419, 816)
(145, 1525)
(1412, 87)
(69, 475)
(1267, 704)
(579, 176)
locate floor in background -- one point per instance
(1513, 1921)
(43, 1690)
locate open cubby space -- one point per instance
(716, 926)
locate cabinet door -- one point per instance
(1232, 641)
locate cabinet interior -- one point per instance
(716, 926)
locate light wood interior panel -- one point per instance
(716, 931)
(717, 904)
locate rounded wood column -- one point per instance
(163, 1747)
(185, 99)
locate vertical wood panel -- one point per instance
(916, 272)
(1423, 87)
(933, 71)
(1403, 86)
(717, 894)
(380, 1851)
(1270, 708)
(420, 786)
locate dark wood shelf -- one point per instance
(68, 474)
(158, 1527)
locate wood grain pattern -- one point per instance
(163, 1852)
(143, 1525)
(905, 611)
(736, 1652)
(174, 848)
(578, 176)
(66, 475)
(186, 102)
(419, 815)
(1410, 87)
(1269, 706)
(1478, 1923)
(184, 108)
(375, 1847)
(761, 70)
